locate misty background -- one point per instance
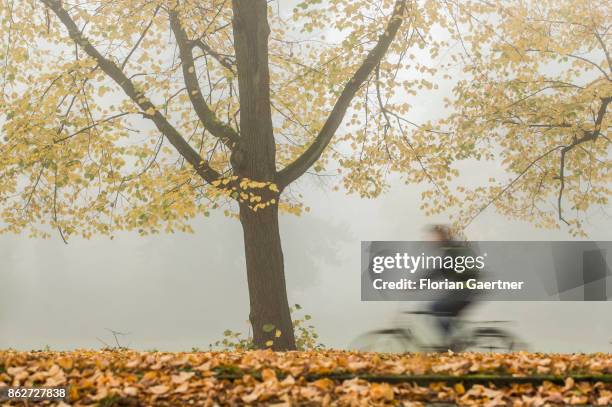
(175, 292)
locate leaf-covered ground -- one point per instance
(131, 378)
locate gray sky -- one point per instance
(174, 292)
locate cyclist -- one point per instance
(453, 303)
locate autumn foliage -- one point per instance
(313, 378)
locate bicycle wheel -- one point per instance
(493, 340)
(386, 341)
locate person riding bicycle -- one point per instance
(453, 303)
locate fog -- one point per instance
(175, 292)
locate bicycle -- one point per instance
(476, 336)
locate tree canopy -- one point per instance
(123, 115)
(536, 101)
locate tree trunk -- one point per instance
(266, 278)
(254, 158)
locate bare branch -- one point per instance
(226, 62)
(510, 184)
(314, 151)
(91, 126)
(578, 57)
(604, 48)
(588, 136)
(59, 228)
(386, 112)
(114, 72)
(564, 151)
(142, 36)
(208, 118)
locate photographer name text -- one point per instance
(445, 285)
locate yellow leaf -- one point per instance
(65, 363)
(324, 384)
(268, 375)
(382, 391)
(459, 388)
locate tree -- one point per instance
(142, 114)
(78, 161)
(535, 97)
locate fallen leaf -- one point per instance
(159, 389)
(182, 377)
(381, 391)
